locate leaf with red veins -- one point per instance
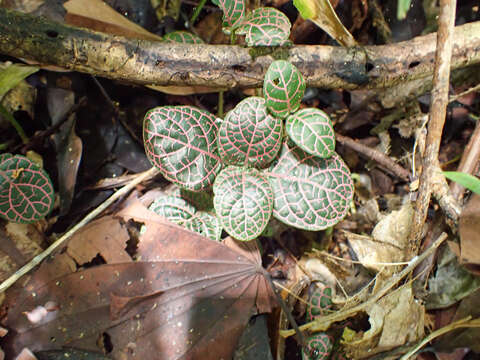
(181, 141)
(284, 87)
(249, 135)
(182, 37)
(243, 201)
(312, 130)
(310, 193)
(265, 26)
(233, 13)
(26, 191)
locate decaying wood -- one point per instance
(222, 66)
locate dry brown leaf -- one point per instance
(97, 15)
(469, 228)
(105, 237)
(19, 244)
(389, 325)
(187, 298)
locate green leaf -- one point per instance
(310, 193)
(11, 75)
(181, 141)
(233, 13)
(182, 37)
(182, 213)
(26, 191)
(402, 9)
(265, 27)
(243, 201)
(317, 347)
(283, 88)
(468, 181)
(249, 135)
(312, 130)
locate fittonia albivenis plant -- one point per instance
(266, 158)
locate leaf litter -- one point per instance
(185, 297)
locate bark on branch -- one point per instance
(224, 66)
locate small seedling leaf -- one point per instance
(317, 347)
(182, 37)
(243, 201)
(312, 130)
(249, 135)
(181, 141)
(233, 13)
(283, 87)
(310, 193)
(468, 181)
(265, 27)
(26, 191)
(182, 213)
(319, 303)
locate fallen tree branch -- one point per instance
(436, 120)
(224, 66)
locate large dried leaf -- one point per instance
(106, 237)
(187, 298)
(181, 141)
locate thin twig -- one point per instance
(463, 323)
(287, 312)
(41, 135)
(40, 257)
(436, 121)
(466, 92)
(375, 155)
(322, 323)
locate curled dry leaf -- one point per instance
(389, 327)
(387, 243)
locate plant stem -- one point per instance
(197, 11)
(300, 338)
(462, 323)
(220, 104)
(14, 123)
